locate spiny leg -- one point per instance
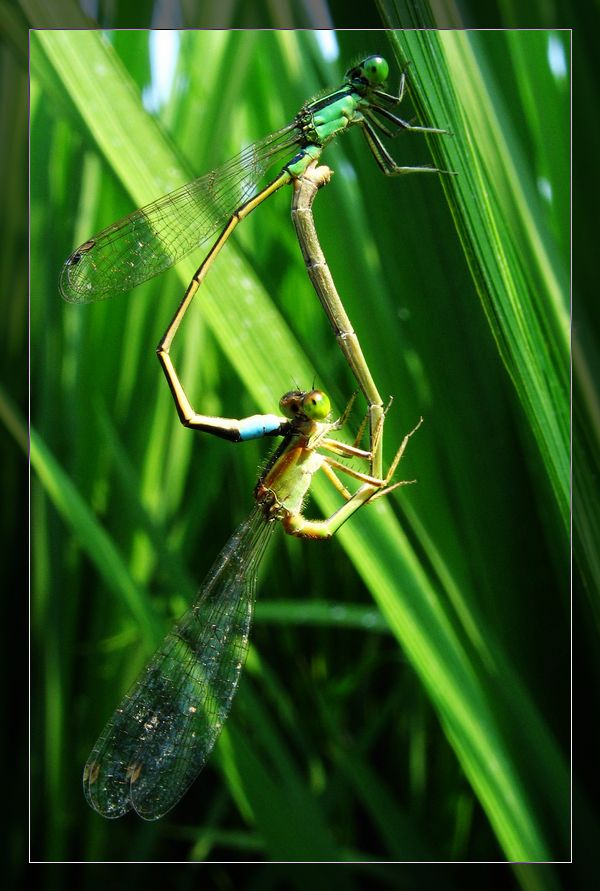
(381, 484)
(404, 126)
(336, 481)
(383, 158)
(341, 421)
(397, 458)
(397, 100)
(361, 430)
(389, 97)
(353, 451)
(298, 525)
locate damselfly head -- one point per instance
(313, 405)
(372, 72)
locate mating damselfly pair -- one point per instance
(163, 732)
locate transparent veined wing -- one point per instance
(161, 735)
(153, 238)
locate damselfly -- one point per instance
(161, 735)
(152, 239)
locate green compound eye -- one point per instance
(376, 69)
(316, 405)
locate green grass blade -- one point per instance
(519, 271)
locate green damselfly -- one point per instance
(155, 237)
(161, 735)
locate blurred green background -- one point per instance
(407, 695)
